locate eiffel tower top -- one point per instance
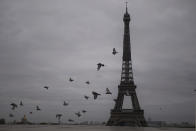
(126, 40)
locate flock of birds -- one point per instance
(78, 114)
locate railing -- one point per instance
(127, 110)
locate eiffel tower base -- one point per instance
(127, 117)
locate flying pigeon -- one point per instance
(46, 87)
(70, 79)
(95, 94)
(108, 91)
(86, 97)
(114, 52)
(99, 65)
(65, 103)
(14, 105)
(37, 108)
(78, 114)
(87, 82)
(58, 115)
(83, 111)
(21, 104)
(11, 115)
(127, 93)
(70, 120)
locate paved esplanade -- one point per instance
(83, 128)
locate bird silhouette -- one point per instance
(70, 120)
(86, 97)
(99, 65)
(11, 115)
(95, 94)
(46, 87)
(21, 104)
(70, 79)
(83, 111)
(31, 112)
(114, 52)
(37, 108)
(87, 82)
(127, 93)
(14, 105)
(108, 91)
(65, 103)
(58, 116)
(78, 114)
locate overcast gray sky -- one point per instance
(44, 42)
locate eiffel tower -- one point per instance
(119, 116)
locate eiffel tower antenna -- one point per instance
(126, 7)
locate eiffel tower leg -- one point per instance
(119, 102)
(135, 101)
(113, 120)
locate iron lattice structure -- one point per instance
(119, 116)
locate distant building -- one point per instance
(24, 120)
(84, 123)
(169, 124)
(156, 123)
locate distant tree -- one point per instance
(103, 123)
(2, 121)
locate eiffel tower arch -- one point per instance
(119, 116)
